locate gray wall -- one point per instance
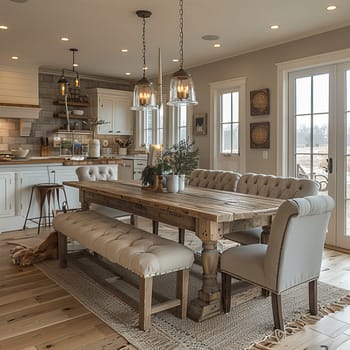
(261, 72)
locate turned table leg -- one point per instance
(208, 302)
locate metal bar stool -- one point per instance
(47, 192)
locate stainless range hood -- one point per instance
(19, 95)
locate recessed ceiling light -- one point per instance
(274, 26)
(217, 45)
(210, 37)
(127, 73)
(175, 60)
(75, 65)
(15, 57)
(125, 50)
(331, 7)
(4, 27)
(65, 38)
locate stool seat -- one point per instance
(47, 193)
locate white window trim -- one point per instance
(173, 124)
(283, 69)
(216, 89)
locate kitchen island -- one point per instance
(17, 177)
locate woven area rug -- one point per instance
(245, 324)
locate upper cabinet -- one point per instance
(113, 107)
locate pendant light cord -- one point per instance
(144, 46)
(181, 35)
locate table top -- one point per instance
(214, 205)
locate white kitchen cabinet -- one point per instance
(131, 169)
(113, 107)
(7, 197)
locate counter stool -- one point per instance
(47, 192)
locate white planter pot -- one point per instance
(182, 179)
(172, 183)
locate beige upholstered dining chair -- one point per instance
(269, 186)
(105, 173)
(292, 257)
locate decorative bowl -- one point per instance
(20, 153)
(77, 112)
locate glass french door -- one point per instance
(319, 138)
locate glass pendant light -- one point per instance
(181, 83)
(143, 97)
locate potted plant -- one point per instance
(181, 159)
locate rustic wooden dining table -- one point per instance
(209, 213)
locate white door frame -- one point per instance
(283, 69)
(215, 90)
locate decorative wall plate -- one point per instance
(260, 102)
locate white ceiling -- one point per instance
(101, 28)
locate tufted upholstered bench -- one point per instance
(142, 253)
(215, 179)
(269, 186)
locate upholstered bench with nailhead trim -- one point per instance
(142, 253)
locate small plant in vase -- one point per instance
(181, 159)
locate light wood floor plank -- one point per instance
(57, 311)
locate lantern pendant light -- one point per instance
(143, 97)
(63, 82)
(181, 83)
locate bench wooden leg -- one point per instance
(62, 249)
(145, 307)
(182, 281)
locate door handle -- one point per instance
(330, 166)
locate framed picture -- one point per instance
(260, 102)
(200, 124)
(260, 135)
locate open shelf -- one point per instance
(71, 116)
(71, 103)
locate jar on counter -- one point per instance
(94, 148)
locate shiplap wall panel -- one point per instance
(19, 85)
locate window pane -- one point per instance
(303, 162)
(348, 132)
(226, 138)
(321, 94)
(148, 137)
(348, 90)
(160, 136)
(320, 133)
(235, 107)
(182, 134)
(303, 95)
(226, 108)
(235, 140)
(303, 134)
(183, 116)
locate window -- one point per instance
(229, 122)
(150, 127)
(226, 123)
(180, 126)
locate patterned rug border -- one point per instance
(158, 339)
